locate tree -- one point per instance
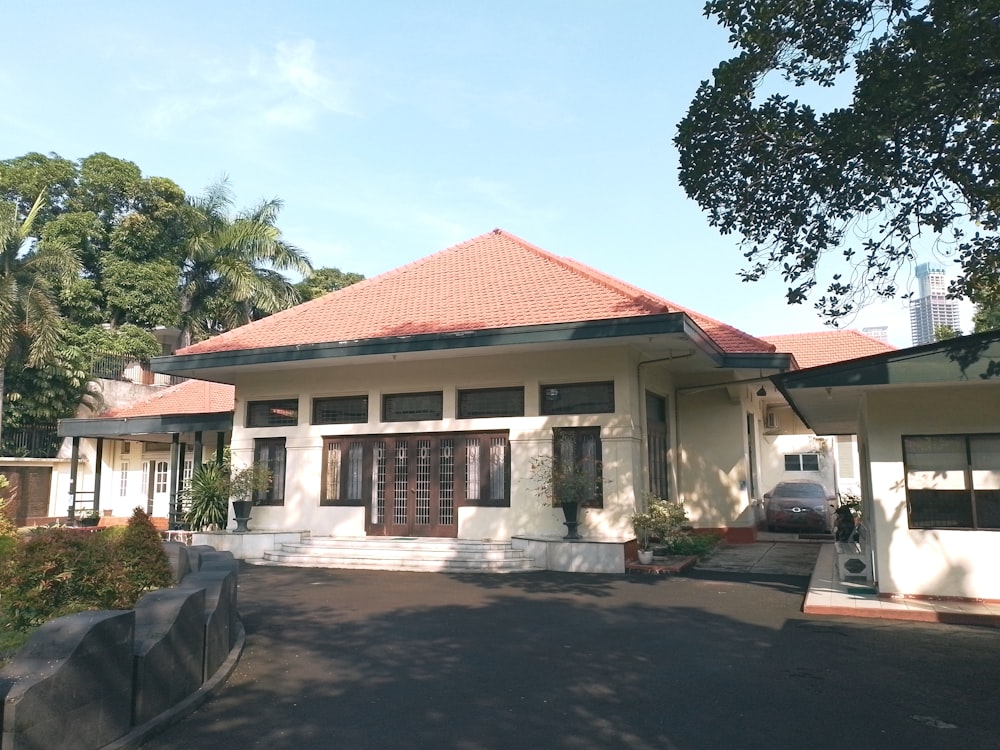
(912, 160)
(30, 322)
(325, 280)
(230, 273)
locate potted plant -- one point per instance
(212, 487)
(244, 484)
(642, 524)
(89, 518)
(662, 522)
(207, 496)
(567, 485)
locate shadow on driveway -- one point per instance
(363, 659)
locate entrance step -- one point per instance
(402, 553)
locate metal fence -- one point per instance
(40, 441)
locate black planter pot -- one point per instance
(241, 513)
(89, 522)
(571, 513)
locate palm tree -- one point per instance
(231, 271)
(30, 321)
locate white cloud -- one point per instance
(298, 67)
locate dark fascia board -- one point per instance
(165, 425)
(874, 369)
(646, 325)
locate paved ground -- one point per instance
(721, 657)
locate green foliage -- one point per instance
(986, 318)
(662, 522)
(207, 497)
(213, 485)
(57, 571)
(48, 392)
(325, 280)
(564, 482)
(913, 155)
(943, 333)
(692, 544)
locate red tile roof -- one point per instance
(827, 347)
(189, 397)
(495, 280)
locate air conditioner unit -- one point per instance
(770, 420)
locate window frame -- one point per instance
(274, 495)
(462, 393)
(966, 494)
(317, 402)
(800, 459)
(546, 410)
(580, 435)
(271, 405)
(459, 467)
(430, 418)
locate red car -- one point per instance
(800, 504)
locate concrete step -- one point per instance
(402, 553)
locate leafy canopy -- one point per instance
(913, 159)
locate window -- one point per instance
(341, 410)
(406, 407)
(270, 454)
(160, 477)
(576, 453)
(343, 471)
(491, 402)
(952, 481)
(578, 398)
(801, 462)
(435, 471)
(657, 445)
(123, 479)
(280, 413)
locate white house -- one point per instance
(415, 402)
(928, 426)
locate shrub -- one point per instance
(692, 544)
(662, 522)
(57, 571)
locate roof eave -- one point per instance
(613, 328)
(153, 425)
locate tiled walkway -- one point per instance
(828, 595)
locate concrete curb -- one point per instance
(140, 734)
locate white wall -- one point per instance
(927, 562)
(529, 435)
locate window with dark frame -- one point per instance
(580, 446)
(269, 453)
(952, 481)
(491, 402)
(465, 469)
(340, 410)
(658, 445)
(280, 413)
(801, 462)
(578, 398)
(410, 407)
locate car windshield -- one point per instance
(803, 490)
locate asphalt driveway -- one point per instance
(714, 659)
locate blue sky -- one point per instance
(392, 130)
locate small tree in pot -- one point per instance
(211, 488)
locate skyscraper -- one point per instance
(931, 308)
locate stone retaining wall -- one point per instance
(86, 680)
